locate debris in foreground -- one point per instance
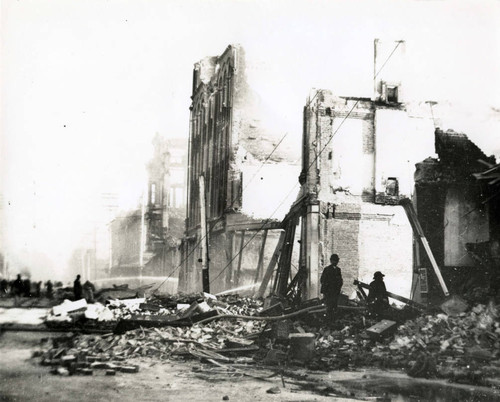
(463, 348)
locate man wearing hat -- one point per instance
(331, 284)
(377, 296)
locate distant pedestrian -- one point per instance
(331, 285)
(77, 288)
(49, 288)
(17, 289)
(88, 291)
(27, 287)
(38, 289)
(377, 299)
(4, 284)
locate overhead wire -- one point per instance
(292, 189)
(308, 168)
(222, 215)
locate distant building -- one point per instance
(146, 241)
(166, 204)
(126, 244)
(246, 173)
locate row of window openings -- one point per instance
(222, 100)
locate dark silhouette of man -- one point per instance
(4, 285)
(49, 289)
(331, 284)
(18, 289)
(377, 297)
(88, 291)
(77, 288)
(38, 289)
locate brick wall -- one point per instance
(369, 238)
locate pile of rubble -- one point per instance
(86, 354)
(157, 308)
(464, 348)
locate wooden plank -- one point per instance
(260, 264)
(240, 258)
(270, 267)
(204, 238)
(229, 258)
(285, 259)
(394, 296)
(415, 224)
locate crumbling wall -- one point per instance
(339, 146)
(385, 245)
(369, 238)
(465, 221)
(340, 235)
(400, 142)
(343, 160)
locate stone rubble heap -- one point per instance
(465, 348)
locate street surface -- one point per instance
(22, 378)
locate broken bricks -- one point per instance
(302, 346)
(381, 329)
(129, 369)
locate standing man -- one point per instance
(18, 289)
(377, 299)
(49, 289)
(77, 288)
(331, 284)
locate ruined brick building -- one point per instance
(245, 171)
(146, 241)
(358, 161)
(166, 204)
(458, 209)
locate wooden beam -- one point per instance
(415, 224)
(260, 264)
(285, 259)
(394, 296)
(229, 258)
(204, 238)
(240, 257)
(270, 267)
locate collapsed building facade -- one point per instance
(456, 199)
(358, 160)
(166, 204)
(146, 241)
(238, 168)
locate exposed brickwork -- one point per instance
(227, 133)
(339, 169)
(345, 234)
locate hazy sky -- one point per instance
(86, 84)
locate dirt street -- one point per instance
(23, 379)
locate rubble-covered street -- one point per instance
(220, 340)
(250, 200)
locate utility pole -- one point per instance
(110, 232)
(143, 238)
(95, 251)
(204, 239)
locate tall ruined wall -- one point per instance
(338, 157)
(465, 221)
(350, 150)
(401, 141)
(246, 174)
